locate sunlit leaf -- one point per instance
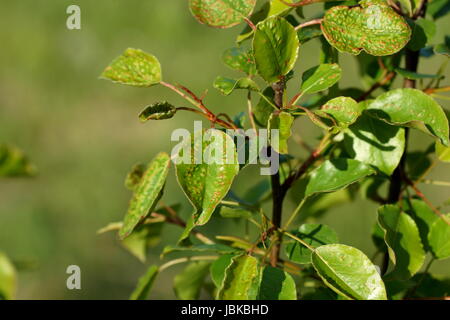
(8, 278)
(206, 183)
(221, 13)
(439, 238)
(412, 108)
(335, 174)
(320, 78)
(376, 143)
(135, 68)
(219, 267)
(443, 152)
(372, 26)
(146, 194)
(348, 272)
(275, 48)
(344, 110)
(241, 279)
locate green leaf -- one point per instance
(372, 26)
(219, 267)
(189, 282)
(263, 109)
(414, 75)
(335, 174)
(278, 8)
(423, 216)
(8, 278)
(241, 279)
(411, 108)
(14, 163)
(235, 212)
(275, 48)
(307, 33)
(240, 59)
(442, 49)
(439, 238)
(158, 111)
(202, 248)
(145, 284)
(206, 183)
(402, 237)
(221, 13)
(283, 122)
(443, 152)
(135, 68)
(422, 33)
(143, 237)
(344, 110)
(226, 86)
(320, 78)
(349, 272)
(376, 143)
(315, 235)
(146, 194)
(277, 284)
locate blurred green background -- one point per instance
(84, 135)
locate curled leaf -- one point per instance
(158, 111)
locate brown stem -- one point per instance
(434, 90)
(277, 194)
(308, 23)
(388, 77)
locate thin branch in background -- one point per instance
(308, 23)
(385, 80)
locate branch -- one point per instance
(308, 23)
(388, 77)
(435, 90)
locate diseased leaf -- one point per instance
(376, 143)
(145, 284)
(315, 235)
(443, 152)
(134, 176)
(277, 284)
(135, 68)
(158, 111)
(320, 78)
(283, 123)
(372, 26)
(189, 282)
(206, 183)
(439, 238)
(146, 194)
(226, 86)
(344, 110)
(8, 278)
(411, 108)
(335, 174)
(275, 48)
(221, 13)
(349, 272)
(241, 279)
(219, 267)
(14, 163)
(401, 235)
(240, 59)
